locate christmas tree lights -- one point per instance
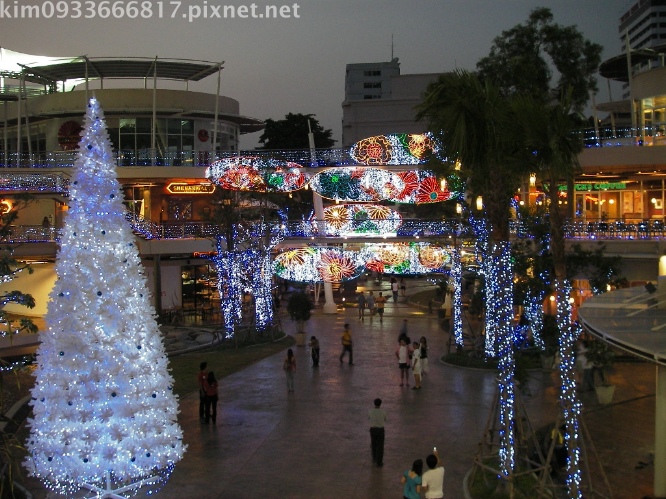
(456, 306)
(104, 412)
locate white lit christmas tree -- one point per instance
(104, 412)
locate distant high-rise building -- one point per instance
(642, 28)
(379, 100)
(371, 80)
(645, 24)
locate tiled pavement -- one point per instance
(314, 443)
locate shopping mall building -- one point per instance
(165, 138)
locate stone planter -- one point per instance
(605, 393)
(300, 339)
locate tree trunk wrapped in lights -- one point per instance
(104, 411)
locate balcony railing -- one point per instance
(589, 230)
(653, 135)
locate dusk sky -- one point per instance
(277, 66)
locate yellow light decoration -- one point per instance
(334, 267)
(394, 254)
(337, 216)
(432, 257)
(293, 257)
(419, 144)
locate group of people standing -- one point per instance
(415, 480)
(374, 305)
(208, 394)
(411, 355)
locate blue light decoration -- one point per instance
(456, 306)
(230, 268)
(571, 406)
(257, 174)
(395, 149)
(360, 220)
(501, 284)
(104, 412)
(488, 269)
(533, 310)
(246, 270)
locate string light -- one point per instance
(104, 412)
(394, 149)
(258, 174)
(571, 406)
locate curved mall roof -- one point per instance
(631, 319)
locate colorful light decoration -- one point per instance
(359, 220)
(360, 184)
(370, 185)
(318, 264)
(394, 149)
(258, 174)
(325, 264)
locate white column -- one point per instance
(660, 434)
(329, 306)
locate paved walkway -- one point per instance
(314, 443)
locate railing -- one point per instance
(587, 230)
(653, 135)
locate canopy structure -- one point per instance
(616, 68)
(633, 319)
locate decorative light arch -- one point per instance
(325, 264)
(258, 174)
(360, 219)
(394, 149)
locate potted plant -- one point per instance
(602, 357)
(299, 308)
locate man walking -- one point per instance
(394, 289)
(377, 417)
(379, 303)
(360, 300)
(347, 345)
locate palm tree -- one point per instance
(471, 118)
(549, 140)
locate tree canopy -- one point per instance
(292, 133)
(542, 58)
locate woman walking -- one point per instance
(289, 367)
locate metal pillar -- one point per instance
(660, 434)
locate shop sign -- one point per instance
(592, 186)
(185, 188)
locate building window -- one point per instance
(372, 73)
(372, 84)
(180, 210)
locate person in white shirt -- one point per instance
(433, 479)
